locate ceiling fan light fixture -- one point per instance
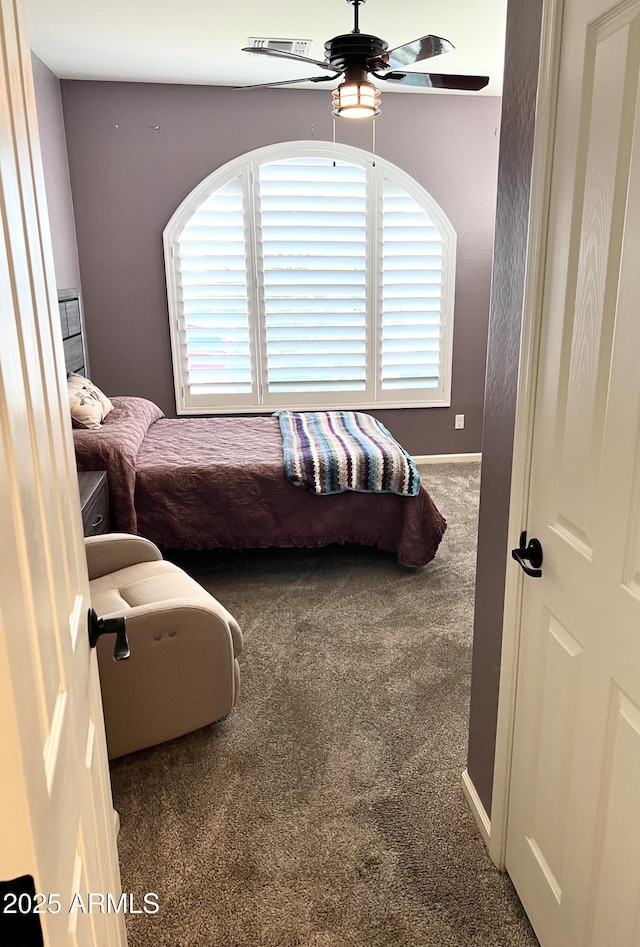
(356, 99)
(356, 55)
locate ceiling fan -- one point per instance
(356, 55)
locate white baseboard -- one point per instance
(478, 810)
(447, 458)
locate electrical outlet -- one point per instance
(459, 422)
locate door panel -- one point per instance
(52, 744)
(572, 845)
(613, 898)
(554, 730)
(591, 286)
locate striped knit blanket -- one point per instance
(333, 451)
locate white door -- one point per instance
(56, 813)
(573, 839)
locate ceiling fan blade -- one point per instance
(281, 54)
(273, 85)
(418, 49)
(436, 80)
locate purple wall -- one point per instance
(507, 296)
(56, 175)
(136, 150)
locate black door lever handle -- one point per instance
(110, 626)
(529, 552)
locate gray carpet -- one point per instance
(327, 811)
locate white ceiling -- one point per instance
(200, 41)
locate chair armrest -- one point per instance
(112, 551)
(184, 616)
(182, 673)
(178, 615)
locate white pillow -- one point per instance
(87, 404)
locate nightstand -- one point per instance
(94, 501)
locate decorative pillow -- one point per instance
(87, 404)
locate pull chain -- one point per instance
(373, 141)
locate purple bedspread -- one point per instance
(114, 448)
(204, 483)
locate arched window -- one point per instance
(305, 275)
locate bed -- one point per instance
(206, 483)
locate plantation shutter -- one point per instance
(412, 279)
(213, 285)
(307, 276)
(313, 220)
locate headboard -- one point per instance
(72, 334)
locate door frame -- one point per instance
(495, 829)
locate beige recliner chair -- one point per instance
(183, 671)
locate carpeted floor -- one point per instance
(327, 811)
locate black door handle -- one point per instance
(110, 626)
(530, 552)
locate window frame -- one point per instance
(377, 170)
